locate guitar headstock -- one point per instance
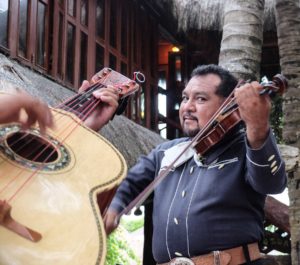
(123, 84)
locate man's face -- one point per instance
(199, 103)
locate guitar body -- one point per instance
(58, 199)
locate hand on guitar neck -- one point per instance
(102, 114)
(112, 90)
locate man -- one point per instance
(213, 204)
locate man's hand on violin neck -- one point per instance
(255, 111)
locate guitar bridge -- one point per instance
(8, 222)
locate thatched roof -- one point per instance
(208, 14)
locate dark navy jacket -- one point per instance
(209, 204)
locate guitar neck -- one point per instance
(81, 103)
(84, 103)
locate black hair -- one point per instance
(228, 81)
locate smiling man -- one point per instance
(199, 100)
(210, 210)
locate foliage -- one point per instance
(276, 118)
(118, 250)
(134, 224)
(275, 239)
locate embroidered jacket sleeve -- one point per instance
(266, 168)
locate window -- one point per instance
(60, 46)
(124, 28)
(99, 58)
(73, 39)
(72, 8)
(23, 16)
(4, 22)
(113, 24)
(112, 61)
(83, 57)
(124, 68)
(100, 18)
(84, 12)
(70, 54)
(41, 37)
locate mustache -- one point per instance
(189, 116)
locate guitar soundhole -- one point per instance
(32, 147)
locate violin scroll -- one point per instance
(278, 85)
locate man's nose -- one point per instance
(189, 105)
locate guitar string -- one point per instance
(75, 100)
(21, 171)
(66, 105)
(88, 110)
(93, 105)
(42, 164)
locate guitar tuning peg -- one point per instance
(139, 77)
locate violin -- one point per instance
(228, 116)
(219, 125)
(51, 184)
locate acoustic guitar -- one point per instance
(52, 185)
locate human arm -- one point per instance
(136, 181)
(265, 167)
(110, 220)
(35, 110)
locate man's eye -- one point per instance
(201, 99)
(184, 98)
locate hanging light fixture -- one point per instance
(175, 49)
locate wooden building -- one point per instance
(70, 40)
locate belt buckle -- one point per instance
(182, 261)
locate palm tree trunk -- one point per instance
(287, 15)
(242, 38)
